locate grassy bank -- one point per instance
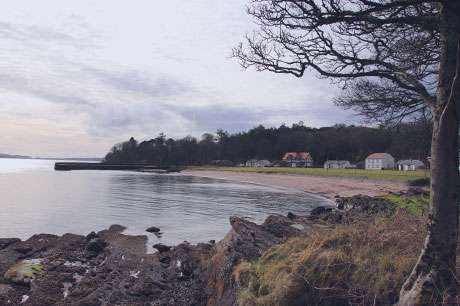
(357, 173)
(363, 263)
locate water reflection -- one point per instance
(37, 199)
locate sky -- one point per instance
(77, 77)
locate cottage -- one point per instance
(298, 159)
(379, 161)
(337, 164)
(410, 165)
(258, 163)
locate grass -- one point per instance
(358, 173)
(363, 264)
(417, 205)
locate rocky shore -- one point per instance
(111, 268)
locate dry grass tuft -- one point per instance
(360, 264)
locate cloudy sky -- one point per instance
(79, 76)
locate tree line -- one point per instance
(353, 143)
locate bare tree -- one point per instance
(402, 57)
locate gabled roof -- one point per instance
(378, 155)
(297, 156)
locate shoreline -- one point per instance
(327, 187)
(68, 270)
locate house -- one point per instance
(337, 164)
(258, 163)
(298, 159)
(379, 161)
(410, 165)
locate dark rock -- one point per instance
(165, 260)
(23, 249)
(212, 241)
(245, 241)
(153, 229)
(96, 245)
(320, 210)
(291, 216)
(6, 242)
(279, 226)
(161, 247)
(91, 236)
(365, 204)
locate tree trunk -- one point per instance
(433, 280)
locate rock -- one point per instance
(291, 216)
(153, 229)
(96, 245)
(165, 260)
(24, 271)
(6, 242)
(320, 210)
(23, 249)
(4, 289)
(91, 236)
(161, 247)
(212, 241)
(365, 204)
(246, 241)
(298, 226)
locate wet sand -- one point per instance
(328, 187)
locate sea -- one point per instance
(34, 198)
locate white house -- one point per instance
(298, 159)
(410, 165)
(379, 161)
(257, 163)
(337, 164)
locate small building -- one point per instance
(258, 163)
(298, 159)
(379, 161)
(337, 164)
(410, 165)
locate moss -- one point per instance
(360, 264)
(415, 204)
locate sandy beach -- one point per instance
(328, 187)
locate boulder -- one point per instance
(153, 229)
(365, 204)
(91, 236)
(96, 245)
(6, 242)
(23, 249)
(245, 241)
(161, 247)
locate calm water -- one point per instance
(37, 199)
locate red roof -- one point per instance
(297, 156)
(378, 155)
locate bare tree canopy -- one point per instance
(393, 41)
(394, 58)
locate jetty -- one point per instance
(68, 166)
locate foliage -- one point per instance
(351, 143)
(415, 204)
